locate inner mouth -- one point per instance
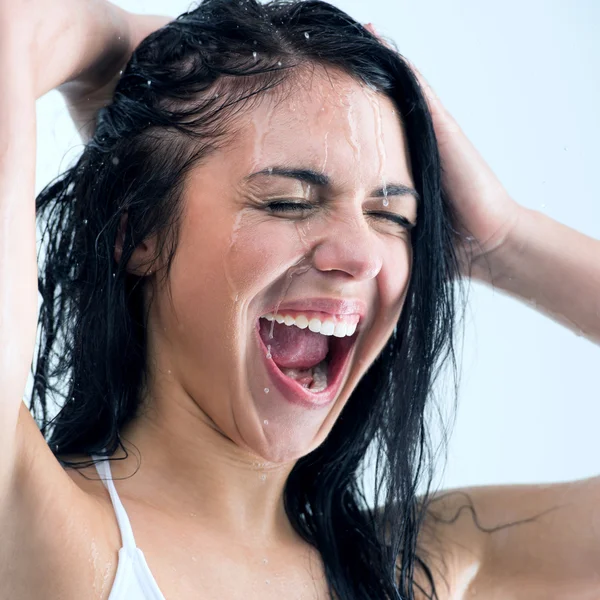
(311, 359)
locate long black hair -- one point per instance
(173, 105)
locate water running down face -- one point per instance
(292, 267)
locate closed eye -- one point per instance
(394, 218)
(287, 206)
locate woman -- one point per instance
(249, 277)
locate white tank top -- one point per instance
(133, 580)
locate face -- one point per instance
(302, 219)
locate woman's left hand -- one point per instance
(486, 212)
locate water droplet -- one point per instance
(306, 35)
(169, 371)
(267, 581)
(194, 558)
(192, 514)
(263, 477)
(269, 352)
(255, 54)
(386, 202)
(266, 390)
(216, 94)
(265, 561)
(270, 170)
(266, 422)
(149, 82)
(115, 161)
(85, 221)
(237, 297)
(114, 275)
(279, 63)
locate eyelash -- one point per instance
(282, 207)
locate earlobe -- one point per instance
(140, 262)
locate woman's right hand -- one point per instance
(86, 94)
(44, 44)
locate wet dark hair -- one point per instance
(174, 104)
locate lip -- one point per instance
(293, 391)
(331, 306)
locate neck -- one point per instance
(188, 467)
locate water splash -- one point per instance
(352, 124)
(324, 165)
(237, 225)
(379, 140)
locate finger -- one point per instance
(427, 89)
(371, 28)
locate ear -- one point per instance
(141, 260)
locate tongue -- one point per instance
(292, 347)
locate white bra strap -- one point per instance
(103, 468)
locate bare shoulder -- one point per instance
(56, 531)
(515, 541)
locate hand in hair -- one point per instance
(501, 242)
(94, 88)
(485, 213)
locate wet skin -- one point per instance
(239, 255)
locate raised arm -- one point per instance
(551, 265)
(43, 44)
(525, 541)
(520, 251)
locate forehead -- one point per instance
(325, 120)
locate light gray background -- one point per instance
(523, 80)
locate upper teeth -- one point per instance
(326, 327)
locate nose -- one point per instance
(349, 247)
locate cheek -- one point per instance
(395, 275)
(260, 251)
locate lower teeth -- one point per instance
(313, 379)
(319, 382)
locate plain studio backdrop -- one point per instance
(523, 81)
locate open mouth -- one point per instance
(307, 354)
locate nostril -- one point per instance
(356, 262)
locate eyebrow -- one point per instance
(314, 178)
